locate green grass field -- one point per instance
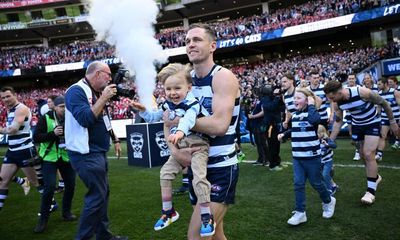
(264, 202)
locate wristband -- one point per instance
(393, 121)
(116, 141)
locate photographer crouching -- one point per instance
(273, 106)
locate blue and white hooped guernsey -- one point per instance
(305, 142)
(326, 156)
(22, 138)
(323, 109)
(222, 151)
(289, 102)
(362, 112)
(391, 99)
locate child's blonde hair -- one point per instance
(309, 93)
(322, 132)
(175, 69)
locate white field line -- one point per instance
(290, 163)
(341, 165)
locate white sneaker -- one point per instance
(379, 179)
(328, 209)
(378, 157)
(368, 198)
(357, 156)
(297, 218)
(26, 186)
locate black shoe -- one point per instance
(41, 225)
(69, 217)
(119, 238)
(181, 190)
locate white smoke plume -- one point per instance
(128, 25)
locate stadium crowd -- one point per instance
(33, 57)
(330, 65)
(311, 11)
(36, 57)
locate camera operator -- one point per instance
(50, 134)
(256, 119)
(87, 136)
(273, 107)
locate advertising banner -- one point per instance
(17, 4)
(391, 67)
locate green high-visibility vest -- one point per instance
(55, 152)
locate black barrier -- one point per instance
(146, 145)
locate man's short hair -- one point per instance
(209, 31)
(93, 67)
(290, 77)
(314, 72)
(351, 74)
(393, 78)
(332, 87)
(383, 80)
(8, 88)
(52, 97)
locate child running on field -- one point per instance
(181, 103)
(327, 145)
(306, 153)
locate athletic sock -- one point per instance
(205, 210)
(19, 180)
(371, 182)
(3, 196)
(61, 183)
(167, 205)
(185, 180)
(379, 153)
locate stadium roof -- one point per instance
(200, 9)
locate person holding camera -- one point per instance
(273, 106)
(259, 130)
(87, 137)
(50, 134)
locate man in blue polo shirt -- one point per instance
(87, 136)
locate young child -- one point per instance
(306, 156)
(181, 103)
(327, 145)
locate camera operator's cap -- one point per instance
(59, 100)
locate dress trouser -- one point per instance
(92, 168)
